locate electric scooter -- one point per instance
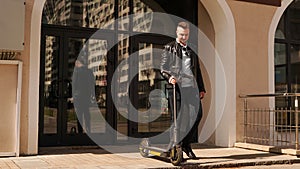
(173, 150)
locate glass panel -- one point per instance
(295, 68)
(51, 85)
(295, 53)
(294, 19)
(143, 17)
(280, 54)
(280, 79)
(280, 31)
(124, 11)
(123, 86)
(96, 62)
(74, 47)
(281, 86)
(80, 13)
(153, 103)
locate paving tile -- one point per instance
(221, 157)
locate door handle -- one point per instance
(54, 89)
(67, 92)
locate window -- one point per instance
(287, 60)
(287, 51)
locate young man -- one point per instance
(83, 90)
(180, 66)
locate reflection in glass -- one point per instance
(143, 17)
(280, 31)
(97, 62)
(294, 14)
(280, 79)
(123, 15)
(295, 68)
(281, 86)
(152, 103)
(279, 54)
(51, 85)
(122, 87)
(80, 13)
(295, 53)
(94, 52)
(74, 47)
(287, 56)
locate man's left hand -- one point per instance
(202, 95)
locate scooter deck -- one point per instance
(157, 151)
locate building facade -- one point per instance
(245, 46)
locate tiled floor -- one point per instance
(96, 158)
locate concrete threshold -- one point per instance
(271, 149)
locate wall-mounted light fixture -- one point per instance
(266, 2)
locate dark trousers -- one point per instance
(83, 115)
(189, 113)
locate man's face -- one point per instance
(78, 63)
(182, 35)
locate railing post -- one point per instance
(245, 119)
(296, 124)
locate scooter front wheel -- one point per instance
(143, 150)
(176, 155)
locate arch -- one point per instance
(225, 44)
(34, 69)
(276, 18)
(225, 47)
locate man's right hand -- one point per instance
(172, 80)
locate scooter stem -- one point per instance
(175, 114)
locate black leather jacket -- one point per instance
(171, 64)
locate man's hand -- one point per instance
(172, 80)
(202, 95)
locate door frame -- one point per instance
(61, 138)
(144, 38)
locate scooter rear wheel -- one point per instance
(143, 151)
(176, 155)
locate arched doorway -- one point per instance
(222, 44)
(67, 26)
(286, 53)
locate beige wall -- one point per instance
(220, 64)
(24, 57)
(206, 26)
(12, 25)
(252, 22)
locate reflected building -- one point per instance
(100, 14)
(61, 12)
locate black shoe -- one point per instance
(184, 149)
(189, 152)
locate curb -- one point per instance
(232, 165)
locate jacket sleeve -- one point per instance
(199, 78)
(92, 82)
(74, 83)
(165, 61)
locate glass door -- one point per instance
(149, 91)
(60, 123)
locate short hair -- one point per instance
(183, 25)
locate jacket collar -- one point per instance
(177, 41)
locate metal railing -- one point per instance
(271, 119)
